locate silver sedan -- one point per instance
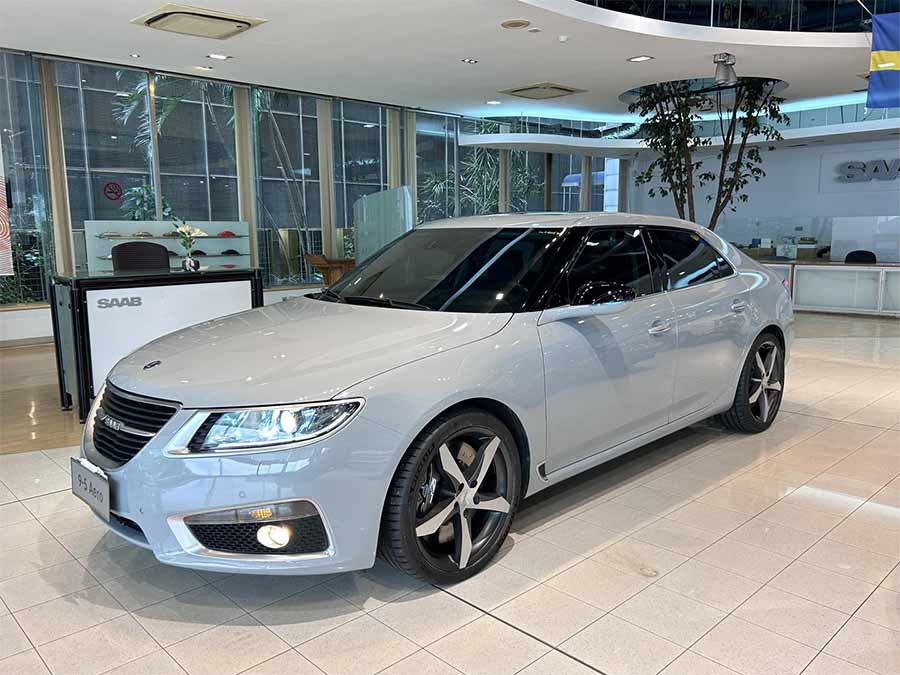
(408, 409)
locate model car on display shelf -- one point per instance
(408, 409)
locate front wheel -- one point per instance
(759, 389)
(453, 498)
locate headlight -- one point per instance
(223, 431)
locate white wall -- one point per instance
(800, 190)
(33, 324)
(21, 326)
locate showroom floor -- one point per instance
(707, 553)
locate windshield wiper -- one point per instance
(330, 295)
(383, 302)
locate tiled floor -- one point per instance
(708, 553)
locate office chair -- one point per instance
(139, 255)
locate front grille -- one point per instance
(309, 536)
(135, 414)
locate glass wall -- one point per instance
(25, 171)
(106, 138)
(435, 166)
(479, 171)
(289, 223)
(802, 15)
(360, 159)
(198, 172)
(527, 174)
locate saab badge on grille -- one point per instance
(152, 364)
(111, 422)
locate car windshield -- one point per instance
(452, 269)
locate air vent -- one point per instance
(543, 90)
(205, 23)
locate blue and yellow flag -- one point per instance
(884, 71)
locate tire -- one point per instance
(427, 504)
(760, 387)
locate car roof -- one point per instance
(551, 219)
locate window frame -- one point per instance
(650, 232)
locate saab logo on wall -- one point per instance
(862, 172)
(110, 303)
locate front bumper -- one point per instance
(345, 477)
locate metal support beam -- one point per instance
(409, 149)
(624, 184)
(503, 197)
(154, 144)
(246, 163)
(587, 184)
(394, 155)
(548, 181)
(54, 148)
(327, 204)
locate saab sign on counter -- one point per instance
(862, 172)
(120, 320)
(107, 303)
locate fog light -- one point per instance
(274, 536)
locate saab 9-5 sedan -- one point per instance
(408, 409)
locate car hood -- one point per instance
(296, 350)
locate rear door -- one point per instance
(712, 307)
(608, 365)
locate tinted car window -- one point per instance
(612, 256)
(689, 259)
(454, 269)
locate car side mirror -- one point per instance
(602, 293)
(591, 299)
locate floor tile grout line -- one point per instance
(490, 613)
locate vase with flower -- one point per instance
(187, 236)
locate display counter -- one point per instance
(841, 288)
(100, 317)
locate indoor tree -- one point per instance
(743, 115)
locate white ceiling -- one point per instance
(407, 52)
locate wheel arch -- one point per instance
(506, 415)
(776, 329)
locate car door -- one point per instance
(712, 306)
(608, 348)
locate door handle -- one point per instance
(659, 328)
(738, 306)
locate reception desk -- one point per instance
(100, 317)
(841, 288)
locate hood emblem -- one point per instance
(152, 364)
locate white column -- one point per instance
(587, 184)
(246, 162)
(327, 207)
(56, 170)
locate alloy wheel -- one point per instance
(766, 377)
(463, 498)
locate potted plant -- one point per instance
(187, 235)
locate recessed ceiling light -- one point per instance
(515, 24)
(534, 29)
(469, 60)
(135, 55)
(492, 102)
(641, 58)
(203, 67)
(219, 57)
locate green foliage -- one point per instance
(479, 183)
(745, 115)
(139, 203)
(26, 284)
